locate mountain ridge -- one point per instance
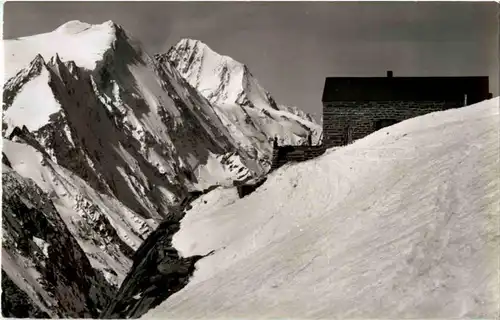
(246, 108)
(116, 140)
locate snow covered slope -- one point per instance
(114, 139)
(107, 112)
(106, 230)
(249, 111)
(77, 41)
(42, 258)
(401, 224)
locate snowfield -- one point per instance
(83, 43)
(40, 112)
(401, 224)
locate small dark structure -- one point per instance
(247, 187)
(355, 107)
(284, 154)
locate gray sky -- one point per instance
(291, 47)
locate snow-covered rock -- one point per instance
(77, 41)
(16, 303)
(113, 122)
(106, 230)
(116, 141)
(298, 112)
(158, 272)
(403, 223)
(41, 257)
(248, 111)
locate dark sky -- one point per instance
(292, 46)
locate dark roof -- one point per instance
(406, 89)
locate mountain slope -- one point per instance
(158, 137)
(16, 303)
(83, 43)
(249, 111)
(401, 224)
(116, 142)
(41, 257)
(106, 230)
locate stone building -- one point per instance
(355, 107)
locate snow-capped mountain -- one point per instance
(104, 149)
(119, 102)
(249, 112)
(403, 223)
(113, 142)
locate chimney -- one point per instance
(389, 74)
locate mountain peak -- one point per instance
(220, 78)
(15, 83)
(193, 48)
(243, 104)
(77, 26)
(190, 43)
(73, 26)
(75, 40)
